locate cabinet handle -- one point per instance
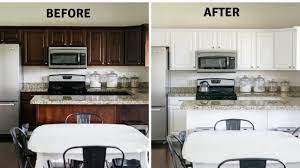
(219, 47)
(257, 66)
(213, 47)
(290, 67)
(252, 67)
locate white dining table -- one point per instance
(51, 140)
(207, 149)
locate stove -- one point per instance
(218, 89)
(67, 84)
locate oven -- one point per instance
(67, 57)
(216, 61)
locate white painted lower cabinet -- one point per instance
(176, 117)
(262, 119)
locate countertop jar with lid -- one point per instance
(95, 80)
(284, 86)
(134, 82)
(259, 84)
(245, 84)
(273, 86)
(124, 81)
(112, 79)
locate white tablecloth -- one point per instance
(209, 148)
(51, 140)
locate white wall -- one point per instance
(102, 14)
(252, 15)
(37, 74)
(188, 78)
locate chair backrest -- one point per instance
(93, 156)
(84, 118)
(233, 124)
(296, 131)
(175, 150)
(252, 162)
(20, 143)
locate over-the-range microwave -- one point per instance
(216, 61)
(67, 57)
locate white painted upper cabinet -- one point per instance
(246, 50)
(226, 40)
(160, 37)
(182, 50)
(265, 50)
(210, 40)
(284, 50)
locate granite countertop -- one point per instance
(288, 103)
(138, 96)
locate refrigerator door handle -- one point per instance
(156, 109)
(7, 104)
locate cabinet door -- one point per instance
(226, 40)
(10, 35)
(182, 53)
(246, 50)
(206, 40)
(133, 47)
(284, 50)
(76, 37)
(160, 38)
(265, 50)
(96, 48)
(57, 37)
(115, 48)
(35, 47)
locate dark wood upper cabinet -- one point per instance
(133, 46)
(115, 48)
(10, 35)
(35, 47)
(96, 48)
(57, 37)
(76, 37)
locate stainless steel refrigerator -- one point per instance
(10, 77)
(159, 91)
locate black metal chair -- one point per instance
(295, 131)
(93, 157)
(176, 151)
(233, 124)
(20, 141)
(84, 118)
(252, 162)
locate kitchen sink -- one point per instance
(120, 93)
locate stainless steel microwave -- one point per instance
(216, 61)
(67, 57)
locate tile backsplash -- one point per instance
(39, 74)
(188, 78)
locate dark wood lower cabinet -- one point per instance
(49, 114)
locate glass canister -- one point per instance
(245, 84)
(284, 86)
(124, 81)
(259, 84)
(95, 80)
(112, 79)
(134, 82)
(273, 86)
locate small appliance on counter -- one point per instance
(284, 86)
(259, 84)
(95, 80)
(112, 79)
(67, 84)
(245, 84)
(124, 81)
(215, 89)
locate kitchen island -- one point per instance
(265, 111)
(107, 103)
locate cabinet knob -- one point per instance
(252, 67)
(257, 66)
(219, 47)
(290, 67)
(213, 47)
